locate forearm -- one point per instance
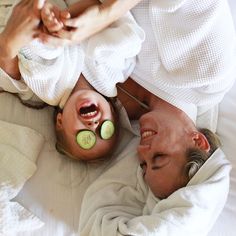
(116, 8)
(79, 7)
(8, 60)
(112, 9)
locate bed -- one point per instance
(55, 191)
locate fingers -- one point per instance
(82, 19)
(38, 4)
(65, 15)
(54, 26)
(71, 22)
(49, 19)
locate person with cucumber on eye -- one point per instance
(86, 121)
(86, 128)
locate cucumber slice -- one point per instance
(86, 139)
(107, 129)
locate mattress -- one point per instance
(55, 192)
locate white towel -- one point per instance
(119, 203)
(19, 150)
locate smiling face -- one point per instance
(85, 110)
(166, 134)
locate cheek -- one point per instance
(159, 184)
(67, 121)
(154, 182)
(109, 112)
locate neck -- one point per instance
(135, 110)
(134, 98)
(82, 83)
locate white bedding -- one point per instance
(54, 193)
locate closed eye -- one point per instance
(159, 160)
(158, 155)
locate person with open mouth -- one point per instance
(86, 128)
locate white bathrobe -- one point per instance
(119, 202)
(189, 55)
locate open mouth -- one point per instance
(88, 111)
(147, 133)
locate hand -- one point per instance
(77, 29)
(51, 17)
(89, 22)
(88, 18)
(21, 28)
(91, 16)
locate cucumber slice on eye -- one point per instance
(107, 129)
(86, 139)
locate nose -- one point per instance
(143, 151)
(92, 124)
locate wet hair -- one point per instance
(197, 157)
(62, 143)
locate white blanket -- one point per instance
(19, 150)
(119, 203)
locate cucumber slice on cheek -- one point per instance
(86, 139)
(107, 129)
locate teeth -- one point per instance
(92, 113)
(147, 133)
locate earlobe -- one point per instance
(201, 141)
(59, 121)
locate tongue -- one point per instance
(85, 110)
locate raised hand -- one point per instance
(86, 18)
(81, 20)
(51, 17)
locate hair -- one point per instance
(62, 144)
(197, 157)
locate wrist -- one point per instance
(6, 50)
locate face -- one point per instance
(86, 110)
(165, 137)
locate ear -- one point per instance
(59, 125)
(201, 141)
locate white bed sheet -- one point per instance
(55, 192)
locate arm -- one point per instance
(79, 7)
(53, 17)
(106, 13)
(21, 28)
(92, 20)
(8, 64)
(96, 18)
